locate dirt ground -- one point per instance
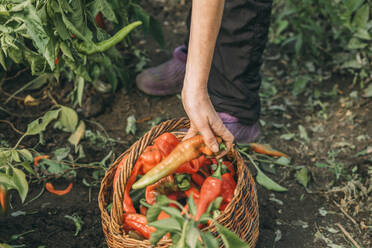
(323, 136)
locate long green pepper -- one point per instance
(91, 47)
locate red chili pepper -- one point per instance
(51, 189)
(166, 143)
(227, 191)
(57, 59)
(150, 158)
(127, 202)
(138, 222)
(193, 166)
(4, 200)
(198, 179)
(209, 191)
(38, 158)
(99, 20)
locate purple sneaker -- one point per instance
(167, 78)
(243, 134)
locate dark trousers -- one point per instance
(235, 78)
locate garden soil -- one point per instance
(301, 217)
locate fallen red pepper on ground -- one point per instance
(50, 188)
(38, 158)
(4, 200)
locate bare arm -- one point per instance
(205, 24)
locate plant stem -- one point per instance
(19, 141)
(251, 159)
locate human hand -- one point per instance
(204, 119)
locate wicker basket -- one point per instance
(240, 216)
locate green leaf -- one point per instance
(287, 136)
(156, 236)
(75, 138)
(38, 82)
(303, 133)
(268, 183)
(169, 224)
(214, 205)
(61, 153)
(368, 91)
(68, 118)
(192, 236)
(157, 32)
(352, 5)
(20, 183)
(283, 161)
(39, 125)
(361, 16)
(53, 167)
(355, 43)
(2, 60)
(229, 238)
(153, 213)
(35, 28)
(61, 27)
(300, 85)
(209, 240)
(6, 180)
(142, 16)
(173, 212)
(302, 176)
(15, 156)
(66, 50)
(27, 166)
(105, 8)
(191, 203)
(131, 125)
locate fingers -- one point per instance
(190, 133)
(209, 138)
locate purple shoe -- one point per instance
(164, 79)
(243, 134)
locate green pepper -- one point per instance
(91, 47)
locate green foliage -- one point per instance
(64, 38)
(184, 230)
(336, 33)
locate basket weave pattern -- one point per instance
(240, 216)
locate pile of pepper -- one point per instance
(175, 169)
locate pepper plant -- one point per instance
(71, 39)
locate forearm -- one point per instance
(205, 24)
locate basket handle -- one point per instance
(134, 152)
